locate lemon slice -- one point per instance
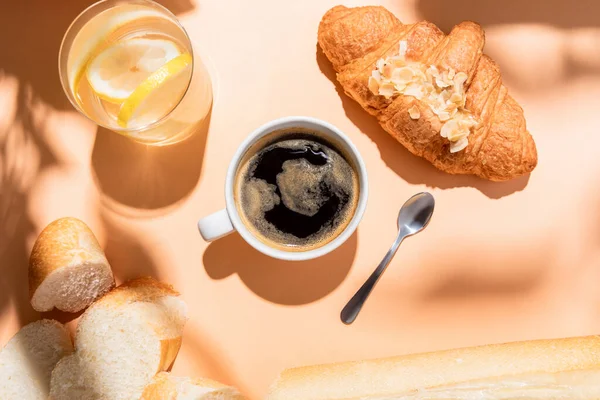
(117, 71)
(97, 30)
(158, 94)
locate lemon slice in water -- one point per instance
(158, 94)
(118, 70)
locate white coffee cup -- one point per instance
(228, 220)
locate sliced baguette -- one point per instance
(67, 267)
(28, 359)
(544, 369)
(166, 386)
(122, 341)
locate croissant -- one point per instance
(437, 94)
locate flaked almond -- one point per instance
(460, 78)
(459, 145)
(414, 112)
(397, 61)
(386, 89)
(441, 83)
(446, 94)
(468, 122)
(400, 87)
(458, 134)
(373, 85)
(441, 90)
(387, 71)
(448, 128)
(443, 116)
(403, 75)
(414, 90)
(456, 98)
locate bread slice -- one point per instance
(67, 267)
(28, 359)
(544, 369)
(122, 341)
(166, 386)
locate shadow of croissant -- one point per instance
(412, 169)
(278, 281)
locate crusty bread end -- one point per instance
(67, 268)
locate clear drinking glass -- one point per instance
(130, 67)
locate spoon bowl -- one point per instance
(416, 213)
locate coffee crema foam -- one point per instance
(296, 192)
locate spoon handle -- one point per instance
(351, 310)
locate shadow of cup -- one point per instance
(278, 281)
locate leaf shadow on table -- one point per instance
(412, 169)
(278, 281)
(141, 180)
(558, 13)
(577, 26)
(30, 35)
(23, 154)
(462, 288)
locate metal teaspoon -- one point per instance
(412, 218)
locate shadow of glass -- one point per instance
(140, 180)
(277, 281)
(413, 169)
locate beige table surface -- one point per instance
(499, 262)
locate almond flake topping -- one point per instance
(414, 112)
(442, 91)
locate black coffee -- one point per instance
(297, 191)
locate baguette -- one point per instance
(544, 369)
(29, 357)
(166, 386)
(122, 341)
(67, 267)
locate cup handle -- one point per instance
(215, 225)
